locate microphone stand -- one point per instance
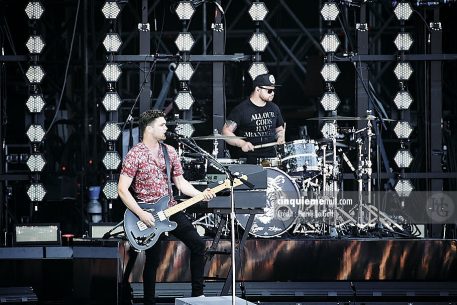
(188, 142)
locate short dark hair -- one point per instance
(148, 117)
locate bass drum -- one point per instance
(280, 211)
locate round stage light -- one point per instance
(258, 42)
(258, 11)
(184, 71)
(403, 158)
(184, 10)
(330, 11)
(111, 131)
(257, 68)
(184, 100)
(185, 41)
(36, 192)
(36, 163)
(111, 101)
(35, 103)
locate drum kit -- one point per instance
(303, 169)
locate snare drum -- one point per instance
(300, 156)
(281, 209)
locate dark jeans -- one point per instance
(189, 236)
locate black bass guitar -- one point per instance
(142, 237)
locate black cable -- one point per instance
(66, 71)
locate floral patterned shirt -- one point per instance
(150, 181)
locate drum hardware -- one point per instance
(348, 118)
(181, 121)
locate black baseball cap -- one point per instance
(265, 80)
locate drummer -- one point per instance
(259, 120)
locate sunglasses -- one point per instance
(270, 91)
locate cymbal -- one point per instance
(329, 141)
(181, 121)
(347, 118)
(217, 137)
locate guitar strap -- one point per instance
(167, 165)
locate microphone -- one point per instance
(175, 136)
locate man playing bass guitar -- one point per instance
(144, 172)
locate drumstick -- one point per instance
(265, 145)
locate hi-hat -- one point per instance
(217, 137)
(347, 118)
(181, 121)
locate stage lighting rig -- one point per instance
(330, 101)
(184, 100)
(34, 74)
(403, 11)
(36, 163)
(111, 101)
(404, 187)
(112, 72)
(330, 42)
(110, 189)
(403, 41)
(257, 68)
(35, 103)
(35, 133)
(403, 129)
(111, 131)
(36, 192)
(403, 158)
(329, 130)
(330, 72)
(403, 71)
(111, 160)
(186, 130)
(112, 42)
(403, 100)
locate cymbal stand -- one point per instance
(215, 145)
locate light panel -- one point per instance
(35, 74)
(186, 130)
(111, 10)
(329, 130)
(36, 192)
(35, 103)
(110, 189)
(258, 11)
(111, 131)
(257, 68)
(111, 101)
(330, 101)
(258, 42)
(184, 100)
(111, 160)
(403, 158)
(35, 133)
(35, 44)
(111, 72)
(184, 71)
(185, 41)
(184, 10)
(403, 41)
(330, 42)
(403, 71)
(34, 10)
(403, 11)
(330, 72)
(403, 100)
(112, 42)
(404, 187)
(330, 11)
(36, 163)
(403, 130)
